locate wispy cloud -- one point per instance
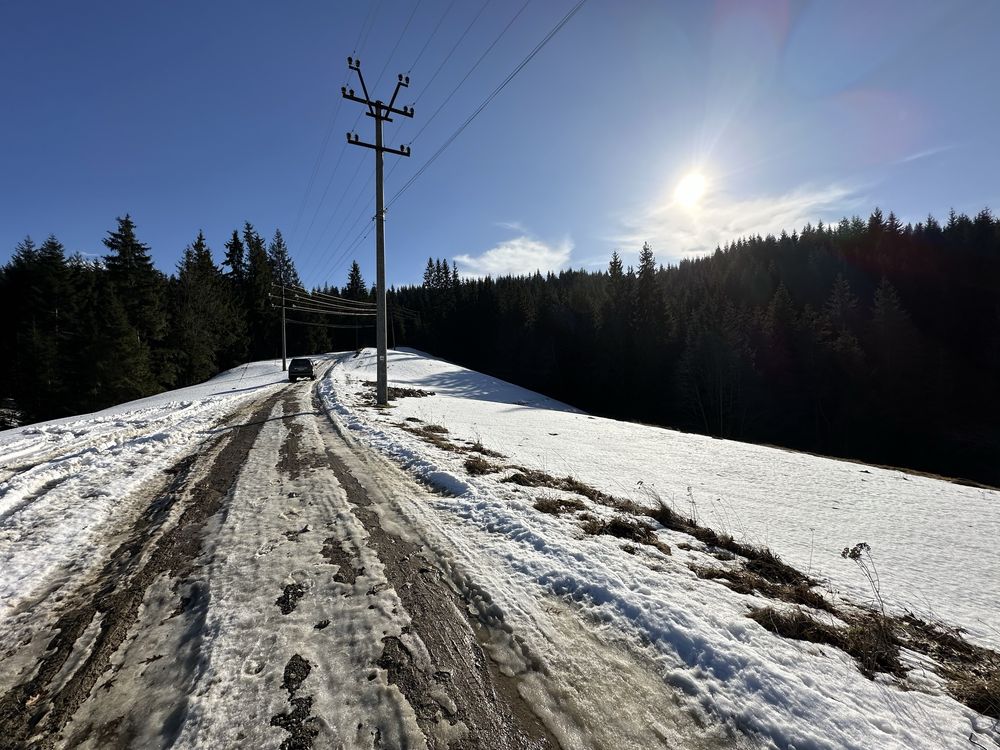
(516, 257)
(928, 152)
(676, 231)
(514, 226)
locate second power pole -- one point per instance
(380, 112)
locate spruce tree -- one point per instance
(236, 259)
(262, 317)
(137, 285)
(200, 318)
(355, 288)
(282, 267)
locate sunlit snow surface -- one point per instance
(933, 542)
(62, 481)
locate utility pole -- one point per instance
(284, 353)
(380, 112)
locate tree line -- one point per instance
(81, 334)
(867, 339)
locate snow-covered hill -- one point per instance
(582, 546)
(933, 544)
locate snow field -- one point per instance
(695, 632)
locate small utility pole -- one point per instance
(380, 112)
(284, 352)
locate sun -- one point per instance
(690, 189)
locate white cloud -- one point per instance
(521, 256)
(676, 232)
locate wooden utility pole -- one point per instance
(380, 112)
(284, 352)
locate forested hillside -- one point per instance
(80, 334)
(868, 339)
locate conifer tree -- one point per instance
(355, 288)
(236, 259)
(282, 267)
(137, 285)
(201, 319)
(262, 317)
(121, 358)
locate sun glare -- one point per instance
(690, 189)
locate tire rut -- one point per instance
(34, 712)
(460, 699)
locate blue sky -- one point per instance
(200, 115)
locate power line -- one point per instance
(431, 36)
(447, 57)
(455, 46)
(372, 14)
(331, 325)
(326, 141)
(320, 311)
(338, 259)
(396, 46)
(538, 48)
(471, 70)
(319, 297)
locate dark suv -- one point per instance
(300, 368)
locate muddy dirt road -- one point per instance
(257, 599)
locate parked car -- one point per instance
(300, 368)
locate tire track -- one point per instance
(460, 698)
(36, 710)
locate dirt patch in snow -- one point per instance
(290, 597)
(335, 553)
(299, 721)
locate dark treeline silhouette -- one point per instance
(868, 339)
(81, 334)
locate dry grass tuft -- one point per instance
(873, 641)
(624, 527)
(477, 466)
(534, 478)
(435, 435)
(745, 581)
(980, 693)
(557, 505)
(869, 639)
(798, 625)
(478, 447)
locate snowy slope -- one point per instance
(61, 481)
(933, 543)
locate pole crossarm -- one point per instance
(401, 151)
